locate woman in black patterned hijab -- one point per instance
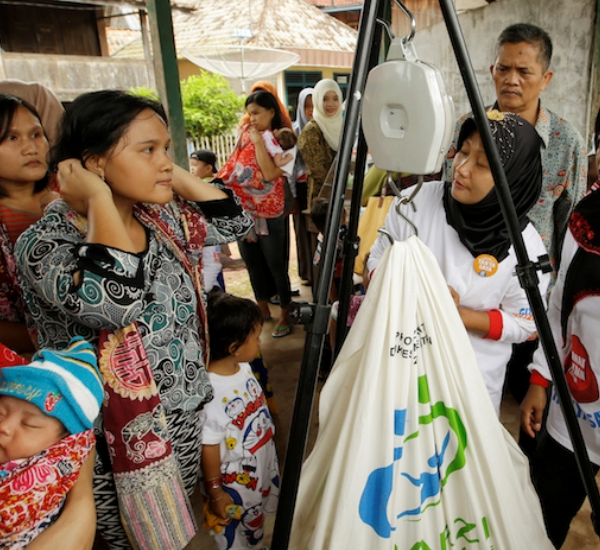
(480, 224)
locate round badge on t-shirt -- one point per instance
(485, 265)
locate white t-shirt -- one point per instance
(238, 420)
(582, 349)
(500, 291)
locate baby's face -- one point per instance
(25, 430)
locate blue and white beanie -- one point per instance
(64, 384)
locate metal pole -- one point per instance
(167, 74)
(145, 28)
(526, 270)
(352, 241)
(317, 329)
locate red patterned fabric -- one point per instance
(144, 467)
(243, 176)
(11, 301)
(9, 358)
(33, 490)
(16, 221)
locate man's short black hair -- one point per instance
(532, 34)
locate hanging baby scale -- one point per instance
(407, 114)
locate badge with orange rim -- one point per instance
(485, 265)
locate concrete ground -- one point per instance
(283, 357)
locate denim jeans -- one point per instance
(267, 263)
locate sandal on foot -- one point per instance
(281, 332)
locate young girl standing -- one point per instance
(239, 461)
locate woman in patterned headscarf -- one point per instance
(461, 222)
(266, 86)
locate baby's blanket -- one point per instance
(33, 490)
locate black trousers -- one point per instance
(557, 481)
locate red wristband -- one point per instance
(538, 379)
(496, 325)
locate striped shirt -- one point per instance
(16, 221)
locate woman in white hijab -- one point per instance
(304, 110)
(318, 143)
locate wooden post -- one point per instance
(166, 73)
(147, 50)
(594, 97)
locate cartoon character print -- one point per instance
(252, 521)
(250, 428)
(258, 432)
(235, 408)
(229, 531)
(253, 388)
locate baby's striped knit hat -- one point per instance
(64, 384)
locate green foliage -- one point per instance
(142, 91)
(210, 106)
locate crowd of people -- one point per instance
(122, 354)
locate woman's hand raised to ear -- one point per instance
(79, 186)
(194, 189)
(86, 193)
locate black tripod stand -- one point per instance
(317, 315)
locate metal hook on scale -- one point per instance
(403, 200)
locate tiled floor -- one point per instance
(283, 358)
